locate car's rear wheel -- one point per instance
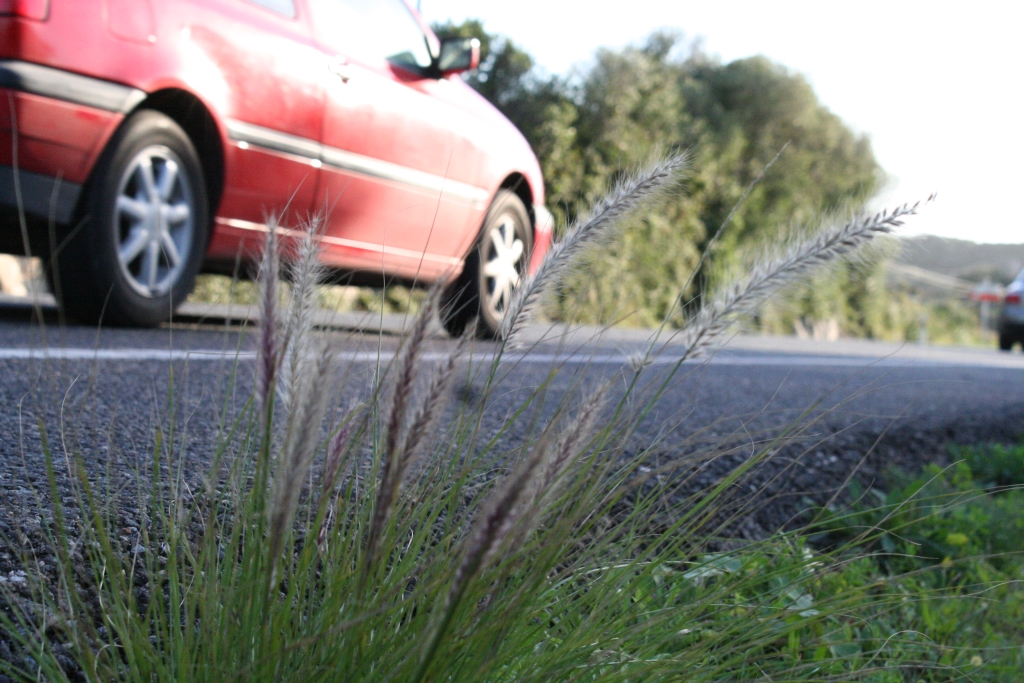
(143, 228)
(493, 269)
(1006, 341)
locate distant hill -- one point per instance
(963, 259)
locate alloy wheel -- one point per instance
(502, 265)
(153, 222)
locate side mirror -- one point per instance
(458, 55)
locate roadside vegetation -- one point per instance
(393, 541)
(949, 544)
(756, 131)
(241, 291)
(744, 120)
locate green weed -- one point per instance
(389, 544)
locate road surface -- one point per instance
(876, 405)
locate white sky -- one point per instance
(935, 85)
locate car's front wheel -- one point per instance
(493, 269)
(143, 229)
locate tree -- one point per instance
(662, 95)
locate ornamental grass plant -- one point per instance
(396, 539)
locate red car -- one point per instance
(142, 141)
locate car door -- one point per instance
(254, 59)
(395, 168)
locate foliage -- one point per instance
(939, 516)
(882, 609)
(954, 321)
(955, 551)
(664, 94)
(221, 289)
(380, 542)
(864, 303)
(933, 623)
(994, 464)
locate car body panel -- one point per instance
(385, 145)
(406, 164)
(1013, 313)
(56, 138)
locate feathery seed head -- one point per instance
(305, 272)
(405, 370)
(396, 459)
(335, 451)
(704, 330)
(555, 463)
(513, 509)
(629, 194)
(434, 400)
(268, 277)
(573, 438)
(299, 448)
(639, 360)
(497, 517)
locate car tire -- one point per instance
(493, 269)
(1006, 342)
(133, 254)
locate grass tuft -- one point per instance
(404, 541)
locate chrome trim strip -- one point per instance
(342, 242)
(356, 163)
(385, 170)
(273, 139)
(67, 86)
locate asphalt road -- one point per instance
(866, 406)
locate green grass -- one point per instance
(993, 465)
(952, 548)
(922, 583)
(384, 543)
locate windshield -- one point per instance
(373, 30)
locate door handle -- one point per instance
(339, 67)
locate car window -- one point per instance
(283, 7)
(1020, 277)
(372, 30)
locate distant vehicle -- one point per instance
(1011, 321)
(157, 136)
